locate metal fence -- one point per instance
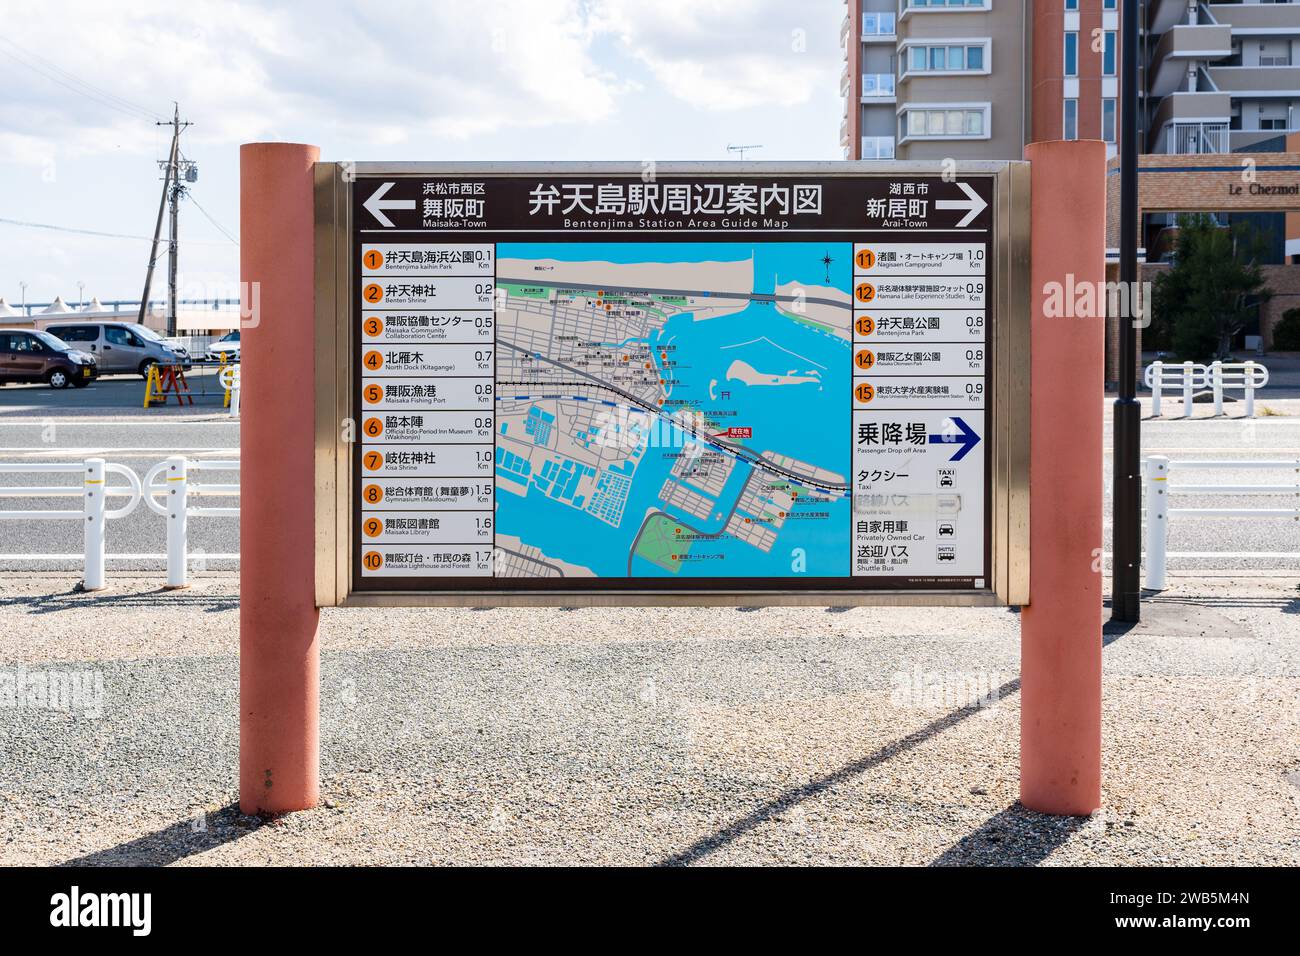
(179, 483)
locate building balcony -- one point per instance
(1248, 17)
(1180, 47)
(1193, 138)
(878, 87)
(1264, 80)
(877, 147)
(1192, 108)
(878, 28)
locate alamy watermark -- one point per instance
(70, 691)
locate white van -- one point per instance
(121, 346)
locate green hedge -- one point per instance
(1286, 334)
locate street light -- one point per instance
(81, 293)
(23, 286)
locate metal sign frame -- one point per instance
(1007, 348)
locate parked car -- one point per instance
(122, 346)
(224, 349)
(31, 355)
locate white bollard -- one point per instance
(234, 398)
(1187, 389)
(1216, 381)
(1157, 383)
(1157, 482)
(177, 506)
(93, 501)
(1250, 389)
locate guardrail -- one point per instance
(1158, 511)
(94, 513)
(1186, 377)
(229, 378)
(177, 509)
(178, 485)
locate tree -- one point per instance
(1207, 296)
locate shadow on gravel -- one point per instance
(176, 842)
(166, 600)
(1014, 837)
(779, 805)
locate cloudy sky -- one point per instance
(83, 82)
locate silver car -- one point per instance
(121, 346)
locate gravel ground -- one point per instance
(669, 735)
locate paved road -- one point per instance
(1273, 438)
(105, 419)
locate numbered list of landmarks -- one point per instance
(427, 375)
(920, 325)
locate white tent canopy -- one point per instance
(57, 306)
(7, 309)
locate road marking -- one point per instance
(223, 420)
(116, 452)
(194, 555)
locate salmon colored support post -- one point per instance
(279, 653)
(1060, 629)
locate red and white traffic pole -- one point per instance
(279, 651)
(1060, 629)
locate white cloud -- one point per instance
(373, 74)
(731, 55)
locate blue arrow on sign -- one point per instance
(965, 437)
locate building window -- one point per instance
(1108, 120)
(1071, 53)
(948, 59)
(1108, 54)
(1272, 123)
(1108, 4)
(945, 123)
(933, 4)
(1071, 120)
(1072, 4)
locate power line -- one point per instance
(102, 235)
(220, 228)
(75, 84)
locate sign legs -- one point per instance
(1060, 629)
(279, 653)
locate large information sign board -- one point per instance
(747, 383)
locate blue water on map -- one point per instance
(809, 421)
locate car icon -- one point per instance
(946, 530)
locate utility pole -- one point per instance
(172, 192)
(1126, 496)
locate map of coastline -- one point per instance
(673, 409)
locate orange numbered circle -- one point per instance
(865, 259)
(373, 360)
(372, 527)
(865, 292)
(373, 460)
(864, 392)
(373, 258)
(373, 427)
(865, 358)
(373, 494)
(374, 292)
(373, 325)
(372, 560)
(865, 324)
(373, 393)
